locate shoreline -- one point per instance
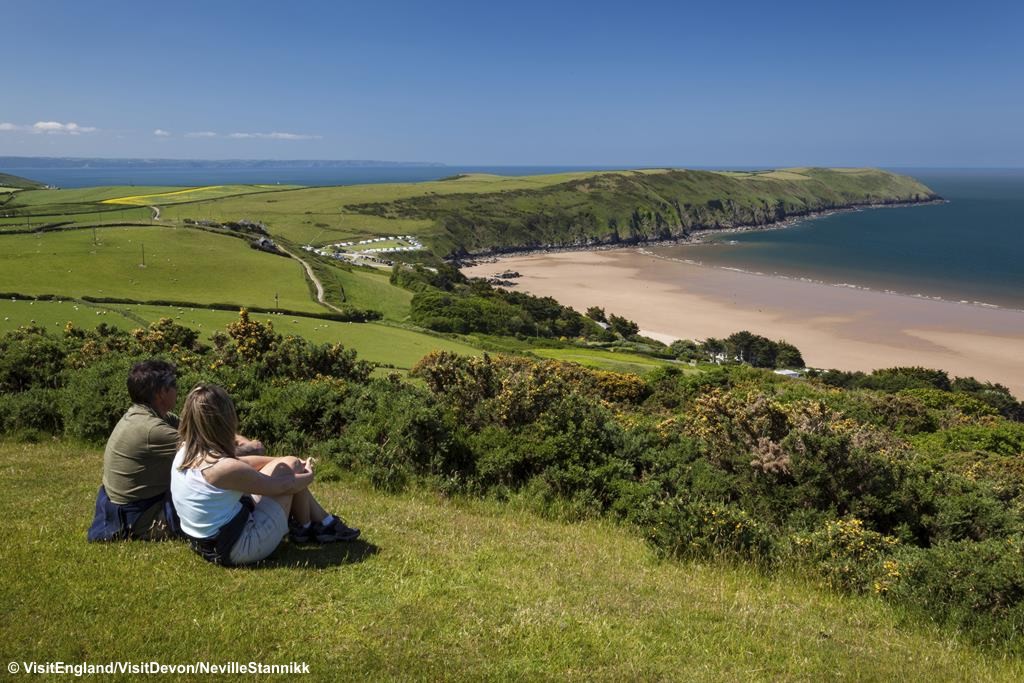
(705, 237)
(834, 326)
(698, 236)
(825, 283)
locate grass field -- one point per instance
(361, 287)
(86, 195)
(374, 342)
(193, 194)
(181, 265)
(89, 217)
(609, 360)
(435, 589)
(54, 315)
(295, 214)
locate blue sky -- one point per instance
(579, 83)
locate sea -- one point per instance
(969, 248)
(312, 176)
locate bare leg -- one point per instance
(316, 513)
(304, 507)
(275, 467)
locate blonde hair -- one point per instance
(208, 426)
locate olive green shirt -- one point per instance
(139, 453)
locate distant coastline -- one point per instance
(24, 163)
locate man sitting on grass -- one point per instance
(134, 501)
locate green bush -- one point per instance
(96, 397)
(1004, 438)
(32, 413)
(978, 586)
(847, 555)
(698, 528)
(30, 357)
(293, 416)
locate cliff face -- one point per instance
(636, 206)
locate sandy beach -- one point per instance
(834, 327)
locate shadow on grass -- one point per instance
(319, 556)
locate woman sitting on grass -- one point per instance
(211, 489)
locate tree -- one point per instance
(788, 356)
(622, 326)
(597, 313)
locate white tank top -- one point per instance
(202, 507)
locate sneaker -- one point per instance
(337, 530)
(302, 535)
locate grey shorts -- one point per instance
(267, 526)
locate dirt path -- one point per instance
(156, 212)
(316, 281)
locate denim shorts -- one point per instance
(267, 526)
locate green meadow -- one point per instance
(85, 195)
(360, 286)
(374, 342)
(191, 194)
(318, 214)
(382, 343)
(20, 221)
(615, 361)
(434, 589)
(180, 265)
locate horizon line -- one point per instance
(626, 166)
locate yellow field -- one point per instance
(193, 194)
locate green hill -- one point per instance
(17, 182)
(637, 206)
(437, 589)
(478, 213)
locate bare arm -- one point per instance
(257, 462)
(229, 473)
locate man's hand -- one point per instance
(244, 446)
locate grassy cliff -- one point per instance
(18, 183)
(641, 205)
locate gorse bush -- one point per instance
(848, 555)
(913, 492)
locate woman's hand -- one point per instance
(302, 481)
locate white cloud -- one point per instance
(55, 127)
(273, 136)
(9, 126)
(161, 133)
(201, 134)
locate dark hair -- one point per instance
(148, 377)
